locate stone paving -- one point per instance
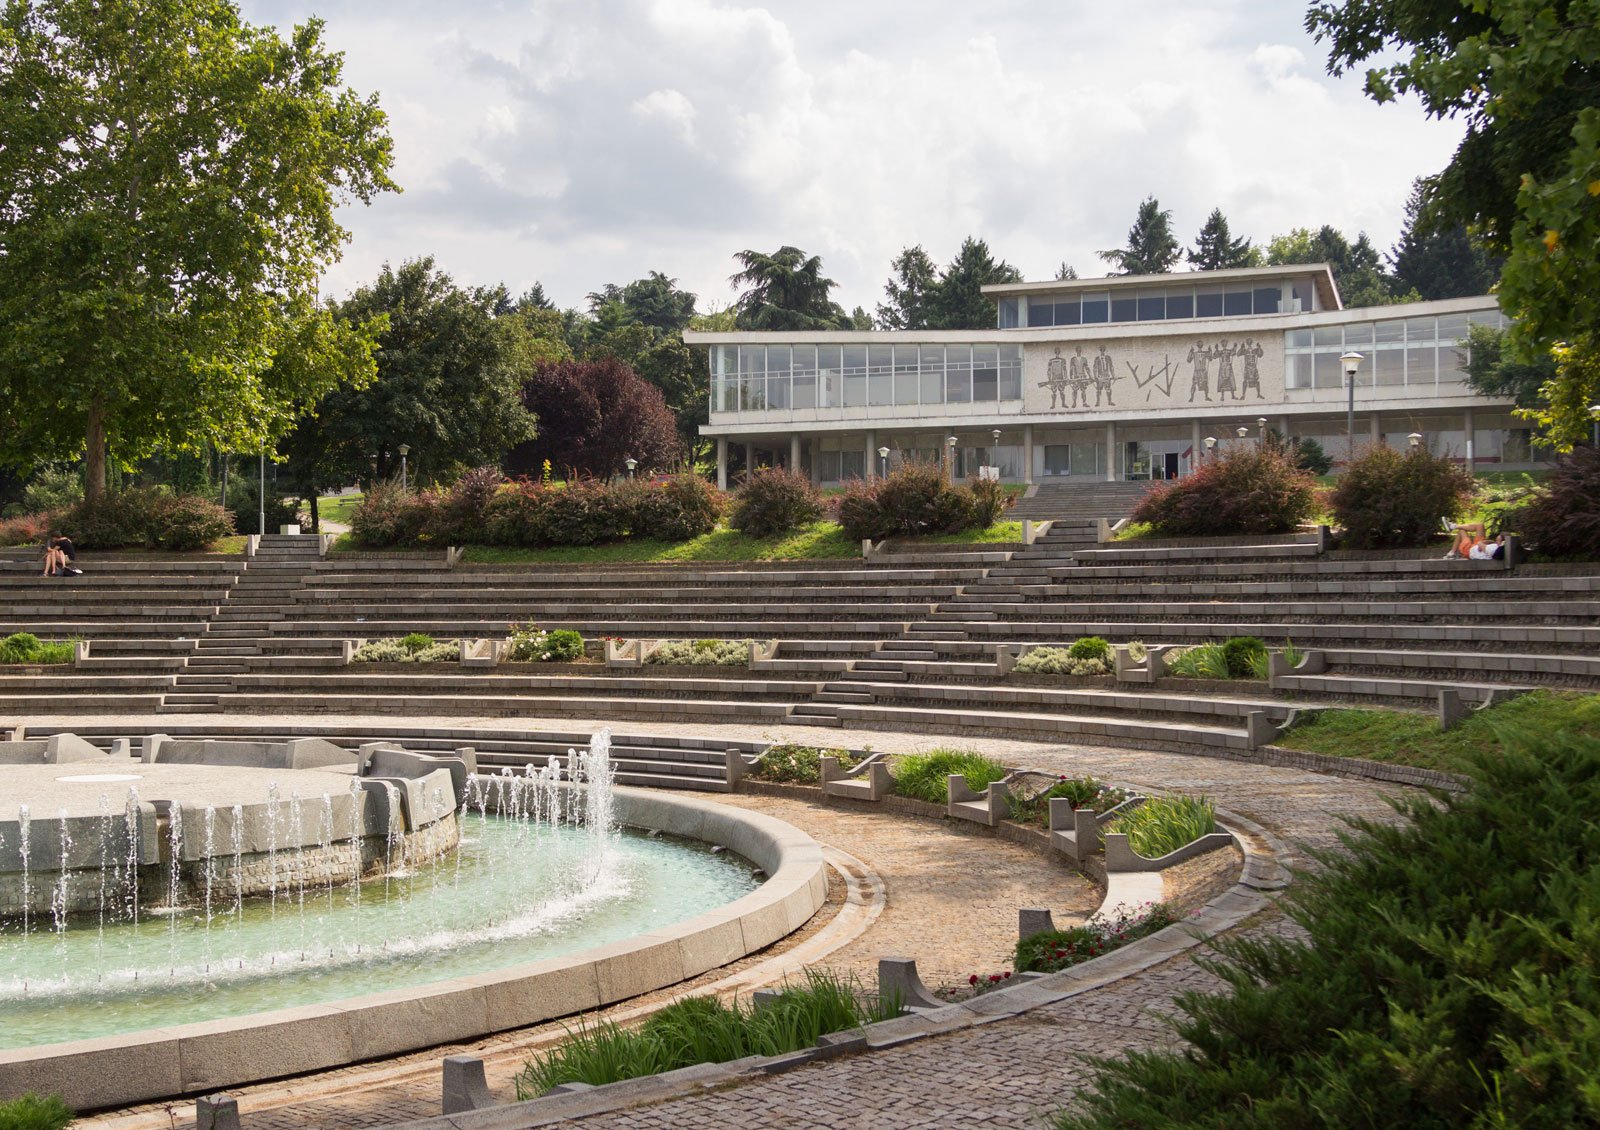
(1006, 1073)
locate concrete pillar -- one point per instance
(722, 462)
(1196, 451)
(794, 452)
(1027, 454)
(1374, 429)
(1467, 422)
(749, 458)
(872, 455)
(1111, 452)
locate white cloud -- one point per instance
(579, 143)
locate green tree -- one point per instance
(1215, 249)
(450, 375)
(1493, 370)
(910, 291)
(785, 290)
(1357, 267)
(958, 303)
(168, 181)
(1066, 271)
(1437, 259)
(1152, 249)
(1524, 75)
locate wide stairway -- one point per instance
(1064, 499)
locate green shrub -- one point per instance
(24, 647)
(1250, 489)
(53, 488)
(1162, 825)
(789, 763)
(704, 1030)
(1386, 499)
(243, 492)
(114, 520)
(415, 648)
(915, 499)
(922, 775)
(1245, 656)
(389, 516)
(1310, 457)
(186, 522)
(1082, 792)
(1563, 518)
(416, 641)
(457, 515)
(1054, 950)
(1202, 661)
(35, 1112)
(775, 501)
(1090, 647)
(1442, 974)
(1059, 661)
(990, 501)
(682, 507)
(529, 644)
(702, 653)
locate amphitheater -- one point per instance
(892, 652)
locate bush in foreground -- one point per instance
(775, 501)
(25, 647)
(1447, 975)
(1249, 489)
(35, 1112)
(1162, 825)
(788, 763)
(1388, 499)
(916, 499)
(922, 775)
(1563, 519)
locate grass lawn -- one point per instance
(232, 544)
(337, 507)
(1415, 739)
(818, 540)
(999, 532)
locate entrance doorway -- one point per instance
(1169, 465)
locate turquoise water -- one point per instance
(515, 892)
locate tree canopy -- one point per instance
(168, 181)
(909, 291)
(1152, 248)
(1438, 259)
(959, 302)
(594, 416)
(1215, 249)
(1525, 77)
(785, 290)
(1357, 267)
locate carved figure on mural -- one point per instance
(1200, 382)
(1055, 372)
(1226, 389)
(1079, 375)
(1105, 375)
(1251, 351)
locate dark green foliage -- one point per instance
(1386, 499)
(1493, 370)
(1090, 647)
(775, 501)
(915, 498)
(1215, 249)
(1357, 267)
(785, 290)
(1563, 520)
(1437, 258)
(184, 522)
(922, 776)
(1447, 980)
(704, 1030)
(1152, 248)
(388, 516)
(1310, 457)
(1054, 950)
(677, 509)
(1249, 489)
(416, 641)
(1083, 792)
(789, 763)
(243, 492)
(911, 292)
(145, 517)
(958, 302)
(35, 1112)
(457, 516)
(563, 645)
(1243, 654)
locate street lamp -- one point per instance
(631, 463)
(404, 451)
(1414, 439)
(883, 462)
(1244, 430)
(950, 446)
(1594, 411)
(1211, 446)
(261, 497)
(1261, 426)
(1351, 362)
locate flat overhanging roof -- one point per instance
(1322, 273)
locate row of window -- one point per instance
(1149, 304)
(755, 378)
(1409, 352)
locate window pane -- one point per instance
(1069, 312)
(1086, 459)
(880, 375)
(1010, 313)
(778, 376)
(1420, 329)
(1389, 366)
(1124, 308)
(1358, 337)
(1390, 331)
(1152, 306)
(1011, 372)
(1420, 371)
(1236, 302)
(1180, 305)
(852, 465)
(1300, 339)
(1328, 372)
(958, 374)
(1326, 336)
(1297, 370)
(1452, 327)
(932, 374)
(1041, 314)
(752, 359)
(905, 374)
(1096, 307)
(1056, 456)
(1208, 304)
(985, 373)
(829, 376)
(1266, 300)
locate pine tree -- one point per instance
(1439, 260)
(1152, 249)
(1066, 271)
(959, 303)
(910, 291)
(1215, 249)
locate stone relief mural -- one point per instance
(1220, 370)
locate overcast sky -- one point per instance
(579, 142)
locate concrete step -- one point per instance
(843, 696)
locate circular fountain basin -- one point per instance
(439, 986)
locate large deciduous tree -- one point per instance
(1357, 267)
(785, 290)
(168, 181)
(1525, 77)
(1152, 248)
(593, 417)
(1215, 249)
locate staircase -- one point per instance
(250, 608)
(1078, 501)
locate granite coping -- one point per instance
(141, 1066)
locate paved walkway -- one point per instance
(1007, 1073)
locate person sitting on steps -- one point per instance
(60, 557)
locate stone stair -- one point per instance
(1056, 499)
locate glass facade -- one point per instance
(759, 378)
(1420, 353)
(1148, 304)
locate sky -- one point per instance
(581, 142)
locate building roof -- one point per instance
(1327, 289)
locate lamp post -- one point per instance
(1351, 362)
(1244, 430)
(950, 448)
(1594, 411)
(1415, 440)
(632, 463)
(261, 497)
(1211, 446)
(883, 462)
(1261, 427)
(404, 451)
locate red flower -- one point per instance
(973, 980)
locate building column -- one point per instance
(872, 455)
(1374, 429)
(722, 462)
(749, 459)
(794, 453)
(1027, 454)
(1471, 427)
(1111, 452)
(1195, 450)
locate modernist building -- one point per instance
(1132, 377)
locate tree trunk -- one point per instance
(94, 459)
(316, 519)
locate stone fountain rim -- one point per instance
(160, 1063)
